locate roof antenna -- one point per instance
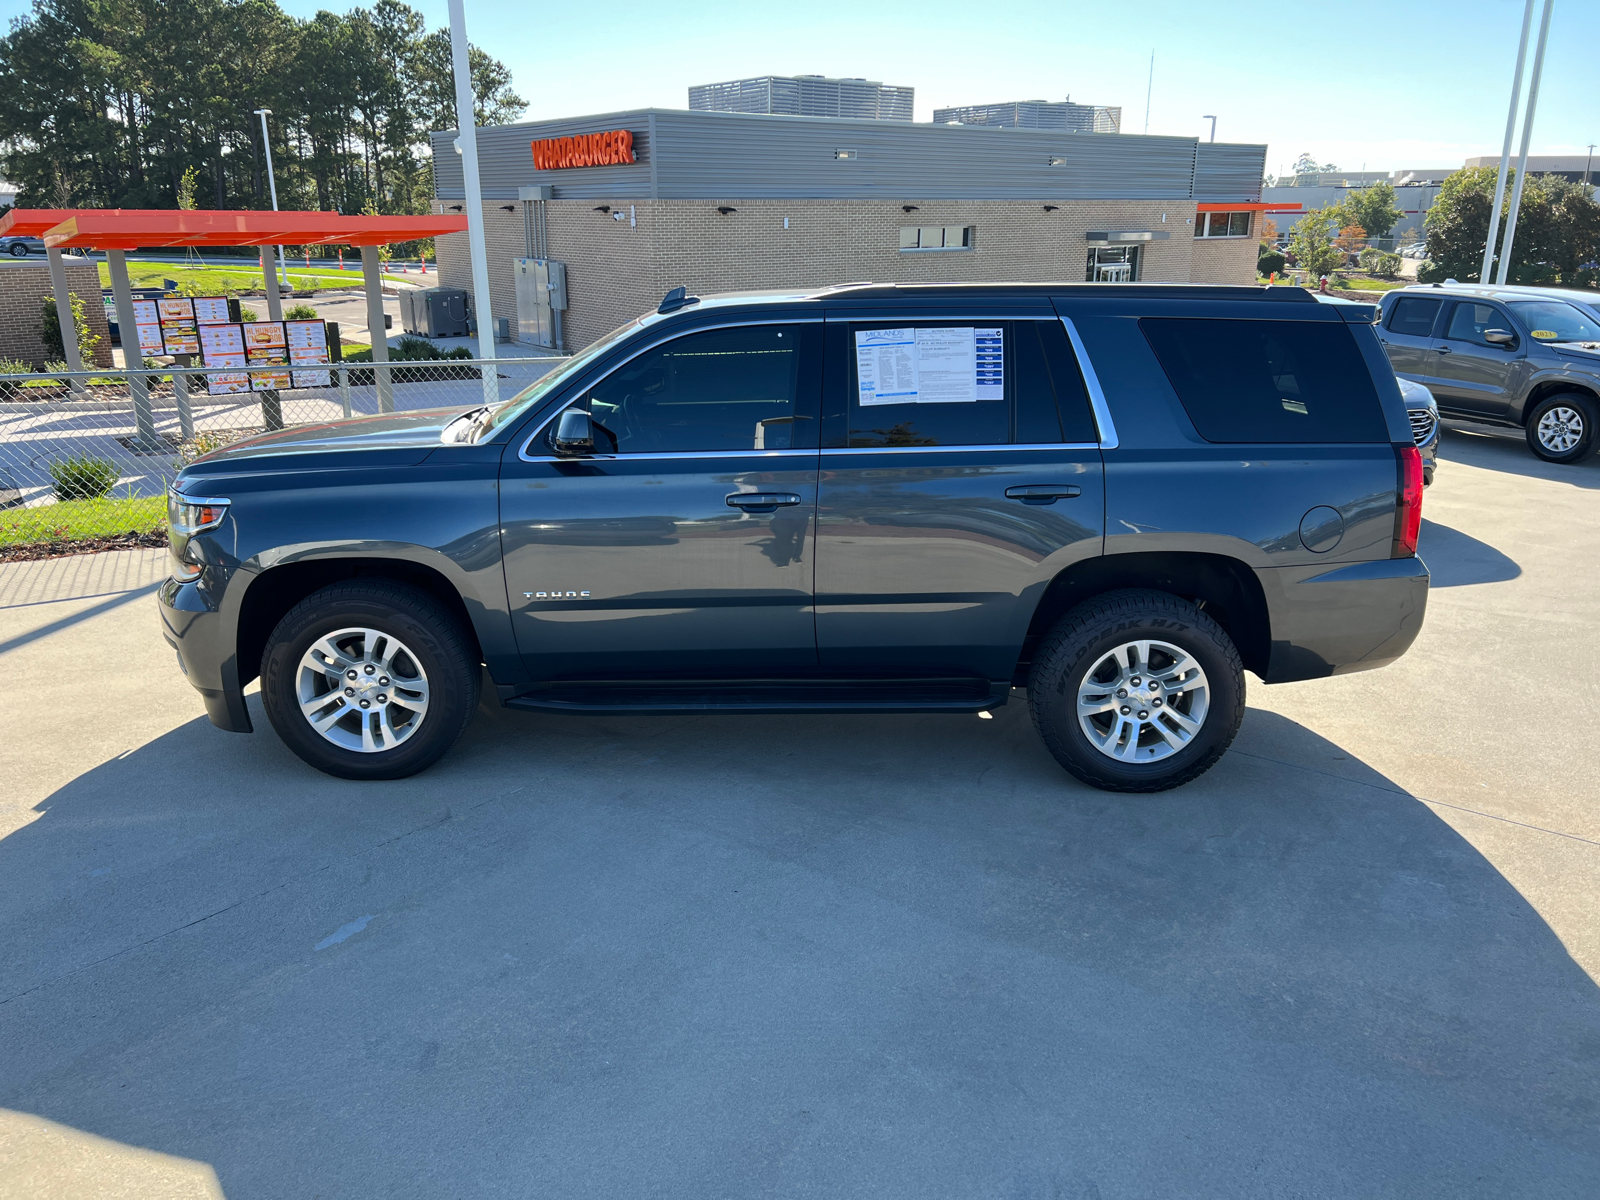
(677, 298)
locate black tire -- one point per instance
(19, 250)
(1560, 430)
(1081, 642)
(432, 640)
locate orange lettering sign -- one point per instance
(586, 150)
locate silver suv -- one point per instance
(1517, 356)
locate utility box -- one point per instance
(541, 301)
(438, 312)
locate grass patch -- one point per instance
(82, 520)
(227, 280)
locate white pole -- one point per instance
(467, 145)
(1505, 152)
(1213, 120)
(1148, 88)
(1527, 135)
(64, 315)
(272, 183)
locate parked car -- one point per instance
(21, 247)
(863, 499)
(1519, 357)
(1423, 412)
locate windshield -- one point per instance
(531, 395)
(1556, 321)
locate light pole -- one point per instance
(1213, 120)
(1504, 269)
(272, 184)
(1505, 152)
(1588, 175)
(467, 147)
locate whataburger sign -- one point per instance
(585, 150)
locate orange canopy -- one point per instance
(1243, 205)
(132, 228)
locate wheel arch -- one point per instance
(273, 592)
(1226, 589)
(1545, 388)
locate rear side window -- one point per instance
(1269, 381)
(936, 383)
(1413, 315)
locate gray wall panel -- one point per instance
(732, 156)
(1229, 171)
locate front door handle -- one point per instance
(762, 501)
(1043, 493)
(1441, 349)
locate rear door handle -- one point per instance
(1043, 493)
(762, 501)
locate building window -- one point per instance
(936, 237)
(1222, 224)
(1113, 264)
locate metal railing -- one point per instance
(108, 442)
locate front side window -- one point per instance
(1470, 321)
(1556, 321)
(1269, 381)
(1413, 316)
(723, 389)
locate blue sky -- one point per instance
(1398, 83)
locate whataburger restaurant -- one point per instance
(628, 205)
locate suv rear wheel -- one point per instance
(369, 680)
(1136, 691)
(1562, 429)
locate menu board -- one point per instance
(150, 340)
(144, 313)
(223, 346)
(147, 324)
(308, 346)
(211, 310)
(180, 337)
(266, 345)
(175, 308)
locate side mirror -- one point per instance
(574, 433)
(1500, 337)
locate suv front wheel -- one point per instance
(1562, 429)
(1136, 691)
(369, 680)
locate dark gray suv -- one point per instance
(1515, 356)
(861, 499)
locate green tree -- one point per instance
(186, 187)
(50, 329)
(1312, 241)
(1373, 208)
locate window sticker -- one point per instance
(930, 366)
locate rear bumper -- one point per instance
(206, 652)
(1335, 621)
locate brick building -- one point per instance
(726, 202)
(22, 292)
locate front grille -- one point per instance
(1422, 423)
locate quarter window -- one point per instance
(1269, 381)
(724, 389)
(936, 237)
(1222, 224)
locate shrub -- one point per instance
(79, 477)
(300, 312)
(50, 329)
(1268, 262)
(246, 313)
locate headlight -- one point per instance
(189, 515)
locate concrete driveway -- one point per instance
(850, 957)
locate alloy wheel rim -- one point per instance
(1143, 701)
(362, 689)
(1561, 429)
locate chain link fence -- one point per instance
(89, 454)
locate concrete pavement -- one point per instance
(855, 956)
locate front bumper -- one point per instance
(207, 651)
(1329, 620)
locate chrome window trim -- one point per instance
(667, 336)
(1029, 446)
(670, 456)
(1097, 397)
(861, 319)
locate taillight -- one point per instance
(1408, 506)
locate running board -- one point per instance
(640, 697)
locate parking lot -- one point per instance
(821, 956)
